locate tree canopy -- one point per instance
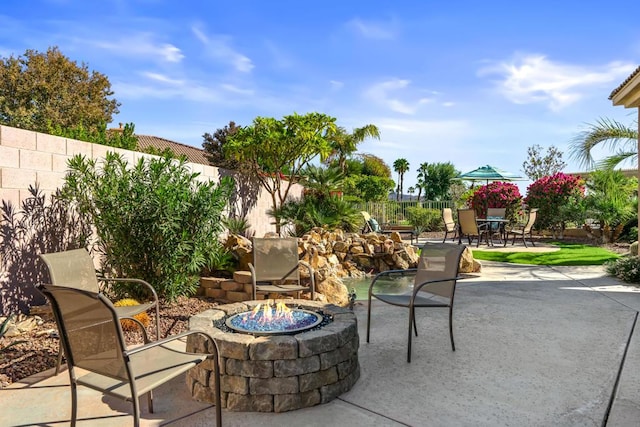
(276, 151)
(538, 165)
(43, 90)
(436, 179)
(214, 146)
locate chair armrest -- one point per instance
(429, 282)
(139, 281)
(311, 276)
(145, 335)
(389, 272)
(174, 338)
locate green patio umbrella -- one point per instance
(489, 173)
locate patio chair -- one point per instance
(74, 268)
(275, 267)
(370, 224)
(434, 285)
(450, 226)
(496, 212)
(468, 226)
(90, 332)
(522, 230)
(497, 229)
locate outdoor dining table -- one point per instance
(489, 221)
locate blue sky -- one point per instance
(468, 82)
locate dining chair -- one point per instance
(522, 230)
(75, 268)
(275, 267)
(90, 332)
(434, 286)
(468, 226)
(497, 228)
(450, 226)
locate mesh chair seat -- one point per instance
(152, 368)
(434, 285)
(403, 300)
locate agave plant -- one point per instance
(3, 330)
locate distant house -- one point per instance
(193, 154)
(626, 172)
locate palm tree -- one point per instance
(422, 178)
(344, 143)
(401, 166)
(605, 133)
(411, 190)
(322, 181)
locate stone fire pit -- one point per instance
(277, 373)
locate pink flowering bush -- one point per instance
(559, 198)
(496, 195)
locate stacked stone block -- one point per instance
(277, 373)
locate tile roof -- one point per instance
(193, 154)
(627, 80)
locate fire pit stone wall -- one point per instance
(281, 372)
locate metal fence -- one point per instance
(396, 212)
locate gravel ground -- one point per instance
(40, 351)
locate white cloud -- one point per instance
(534, 78)
(219, 47)
(280, 59)
(162, 78)
(184, 90)
(336, 85)
(386, 94)
(235, 89)
(141, 45)
(373, 30)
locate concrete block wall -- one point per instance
(27, 158)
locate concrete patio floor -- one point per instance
(535, 346)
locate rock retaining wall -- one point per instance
(332, 254)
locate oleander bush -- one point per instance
(626, 269)
(496, 195)
(154, 220)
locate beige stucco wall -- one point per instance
(27, 158)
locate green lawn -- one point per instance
(569, 254)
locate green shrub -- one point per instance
(154, 220)
(239, 226)
(313, 211)
(424, 219)
(626, 269)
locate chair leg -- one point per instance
(150, 401)
(74, 403)
(453, 346)
(136, 411)
(415, 326)
(59, 362)
(368, 318)
(411, 320)
(158, 322)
